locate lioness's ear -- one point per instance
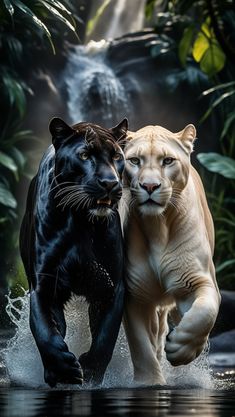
(59, 131)
(120, 130)
(188, 136)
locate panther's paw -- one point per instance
(65, 369)
(92, 371)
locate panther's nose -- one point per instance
(150, 187)
(108, 185)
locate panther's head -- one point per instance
(157, 166)
(89, 162)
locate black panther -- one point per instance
(71, 242)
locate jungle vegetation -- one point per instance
(28, 28)
(198, 34)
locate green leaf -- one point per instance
(213, 60)
(220, 164)
(224, 265)
(56, 13)
(7, 162)
(60, 6)
(218, 87)
(227, 124)
(149, 8)
(6, 197)
(227, 221)
(15, 46)
(15, 92)
(25, 9)
(18, 157)
(9, 7)
(92, 22)
(216, 103)
(200, 45)
(185, 44)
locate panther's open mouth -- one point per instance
(105, 202)
(103, 207)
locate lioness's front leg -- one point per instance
(199, 311)
(60, 365)
(141, 326)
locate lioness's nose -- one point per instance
(108, 185)
(150, 187)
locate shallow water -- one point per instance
(192, 390)
(24, 367)
(116, 402)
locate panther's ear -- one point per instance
(120, 131)
(59, 131)
(188, 136)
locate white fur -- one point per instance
(169, 254)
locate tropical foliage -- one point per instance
(27, 29)
(202, 35)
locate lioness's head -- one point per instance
(157, 166)
(89, 163)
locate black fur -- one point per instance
(69, 244)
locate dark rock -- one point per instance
(224, 342)
(226, 317)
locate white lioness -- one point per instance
(169, 241)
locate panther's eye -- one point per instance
(84, 155)
(134, 161)
(168, 161)
(117, 156)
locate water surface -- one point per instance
(16, 402)
(192, 390)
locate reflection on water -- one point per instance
(190, 390)
(131, 402)
(24, 366)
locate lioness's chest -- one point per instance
(143, 268)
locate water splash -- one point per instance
(21, 356)
(24, 366)
(94, 91)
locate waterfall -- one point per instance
(94, 92)
(123, 16)
(128, 16)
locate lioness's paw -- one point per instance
(183, 347)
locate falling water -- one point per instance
(94, 92)
(123, 16)
(24, 366)
(127, 17)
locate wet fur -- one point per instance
(66, 248)
(169, 239)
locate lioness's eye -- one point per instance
(134, 161)
(84, 155)
(117, 156)
(168, 161)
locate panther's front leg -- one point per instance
(199, 311)
(105, 320)
(48, 328)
